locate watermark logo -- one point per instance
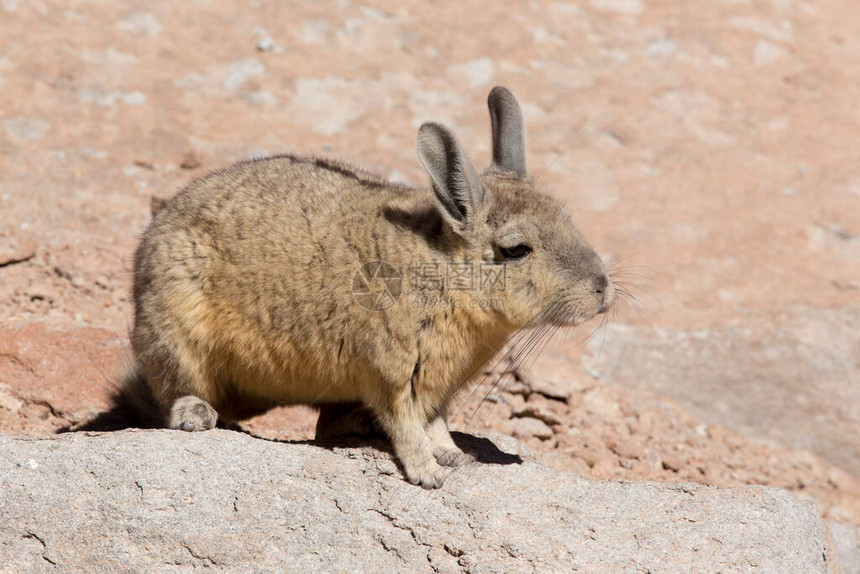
(455, 276)
(493, 277)
(377, 286)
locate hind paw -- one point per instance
(192, 413)
(453, 457)
(428, 475)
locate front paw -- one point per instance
(427, 474)
(190, 413)
(452, 457)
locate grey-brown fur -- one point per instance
(243, 287)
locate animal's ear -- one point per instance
(456, 184)
(509, 148)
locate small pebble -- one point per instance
(531, 427)
(386, 467)
(536, 412)
(265, 44)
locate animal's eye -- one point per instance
(515, 252)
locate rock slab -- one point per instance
(792, 378)
(224, 501)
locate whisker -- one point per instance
(625, 258)
(539, 343)
(521, 342)
(535, 340)
(289, 147)
(634, 295)
(529, 355)
(512, 340)
(604, 326)
(564, 151)
(623, 275)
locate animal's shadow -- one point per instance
(482, 449)
(350, 435)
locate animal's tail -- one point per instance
(132, 405)
(134, 398)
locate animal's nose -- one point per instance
(604, 289)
